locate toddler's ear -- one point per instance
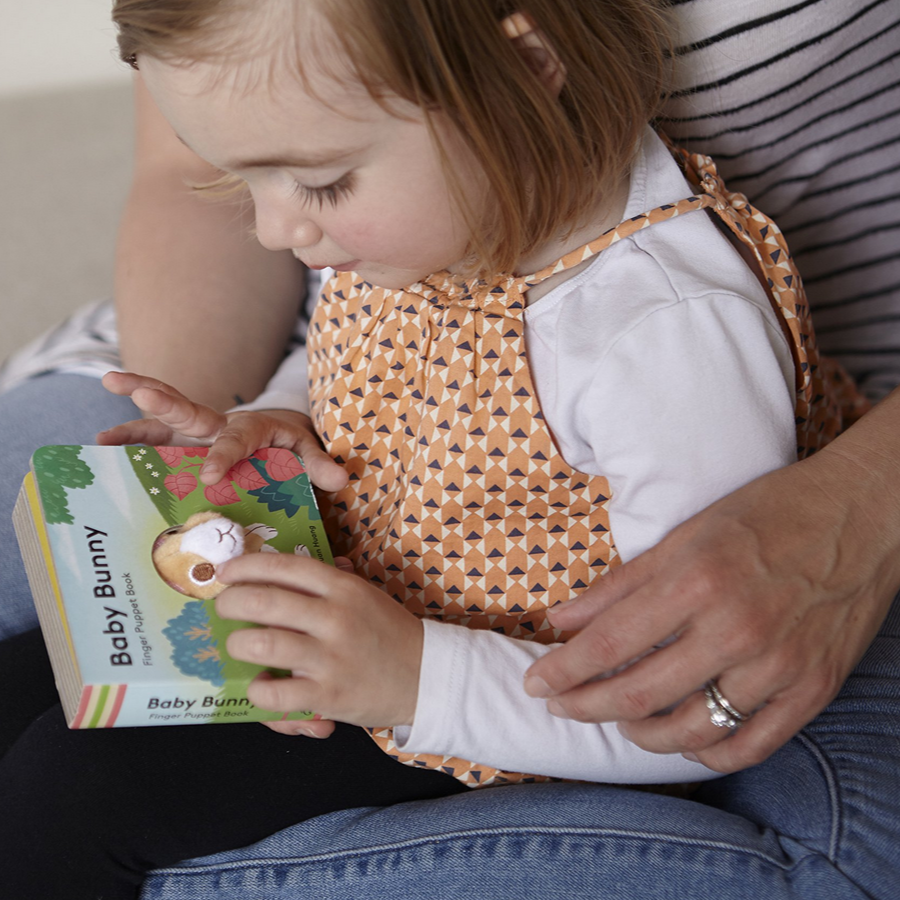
(536, 50)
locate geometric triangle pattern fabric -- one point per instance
(458, 504)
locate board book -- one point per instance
(128, 648)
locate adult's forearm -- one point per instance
(201, 305)
(862, 470)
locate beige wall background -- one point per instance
(51, 44)
(65, 147)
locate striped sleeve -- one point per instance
(799, 103)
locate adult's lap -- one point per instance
(51, 409)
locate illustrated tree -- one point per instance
(194, 649)
(59, 468)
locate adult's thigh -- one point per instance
(820, 818)
(50, 409)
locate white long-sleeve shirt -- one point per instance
(662, 367)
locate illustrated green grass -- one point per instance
(287, 502)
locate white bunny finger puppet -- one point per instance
(188, 556)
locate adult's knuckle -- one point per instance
(691, 738)
(829, 685)
(577, 711)
(747, 641)
(636, 703)
(709, 580)
(602, 649)
(746, 755)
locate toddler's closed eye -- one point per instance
(329, 193)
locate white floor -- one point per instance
(65, 165)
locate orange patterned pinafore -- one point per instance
(459, 504)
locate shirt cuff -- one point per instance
(444, 650)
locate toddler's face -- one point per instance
(334, 177)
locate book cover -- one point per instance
(120, 546)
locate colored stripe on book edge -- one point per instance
(101, 702)
(83, 706)
(118, 700)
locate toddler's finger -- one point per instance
(318, 728)
(323, 471)
(123, 383)
(138, 431)
(179, 413)
(237, 440)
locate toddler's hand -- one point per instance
(353, 651)
(174, 419)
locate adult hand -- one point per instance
(174, 419)
(774, 591)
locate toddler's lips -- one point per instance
(339, 267)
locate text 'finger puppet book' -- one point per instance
(121, 546)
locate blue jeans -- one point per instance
(819, 819)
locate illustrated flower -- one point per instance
(137, 457)
(148, 465)
(154, 490)
(155, 474)
(143, 451)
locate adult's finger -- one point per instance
(656, 682)
(692, 726)
(773, 725)
(601, 595)
(615, 637)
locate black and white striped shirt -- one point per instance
(799, 104)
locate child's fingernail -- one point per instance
(535, 686)
(691, 756)
(306, 732)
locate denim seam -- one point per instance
(466, 835)
(833, 792)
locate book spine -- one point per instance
(34, 544)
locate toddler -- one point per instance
(537, 351)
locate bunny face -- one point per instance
(187, 556)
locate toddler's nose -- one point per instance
(285, 229)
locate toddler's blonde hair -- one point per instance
(546, 158)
